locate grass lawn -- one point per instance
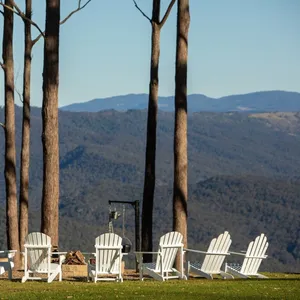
(278, 286)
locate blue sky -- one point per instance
(235, 46)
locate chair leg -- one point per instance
(88, 273)
(24, 278)
(9, 272)
(226, 275)
(53, 275)
(141, 272)
(187, 269)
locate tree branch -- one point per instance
(19, 94)
(64, 20)
(16, 89)
(37, 39)
(164, 19)
(75, 11)
(2, 125)
(21, 14)
(135, 4)
(2, 65)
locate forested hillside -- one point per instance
(243, 177)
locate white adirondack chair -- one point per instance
(8, 264)
(169, 245)
(108, 258)
(38, 258)
(252, 259)
(213, 260)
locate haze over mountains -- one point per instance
(253, 102)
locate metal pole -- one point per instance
(137, 231)
(137, 226)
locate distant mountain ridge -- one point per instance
(266, 101)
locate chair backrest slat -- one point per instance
(108, 251)
(220, 245)
(254, 255)
(38, 257)
(169, 244)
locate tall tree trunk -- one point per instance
(180, 131)
(149, 181)
(10, 144)
(50, 136)
(25, 151)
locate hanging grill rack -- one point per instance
(114, 214)
(136, 205)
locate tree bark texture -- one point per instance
(10, 145)
(50, 138)
(149, 181)
(180, 193)
(25, 150)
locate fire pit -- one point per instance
(74, 265)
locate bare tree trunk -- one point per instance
(25, 151)
(10, 144)
(50, 136)
(180, 131)
(149, 181)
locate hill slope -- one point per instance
(243, 177)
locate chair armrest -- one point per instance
(9, 253)
(37, 246)
(195, 251)
(88, 256)
(61, 255)
(62, 258)
(206, 252)
(108, 247)
(260, 257)
(237, 253)
(145, 252)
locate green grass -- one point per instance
(279, 286)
